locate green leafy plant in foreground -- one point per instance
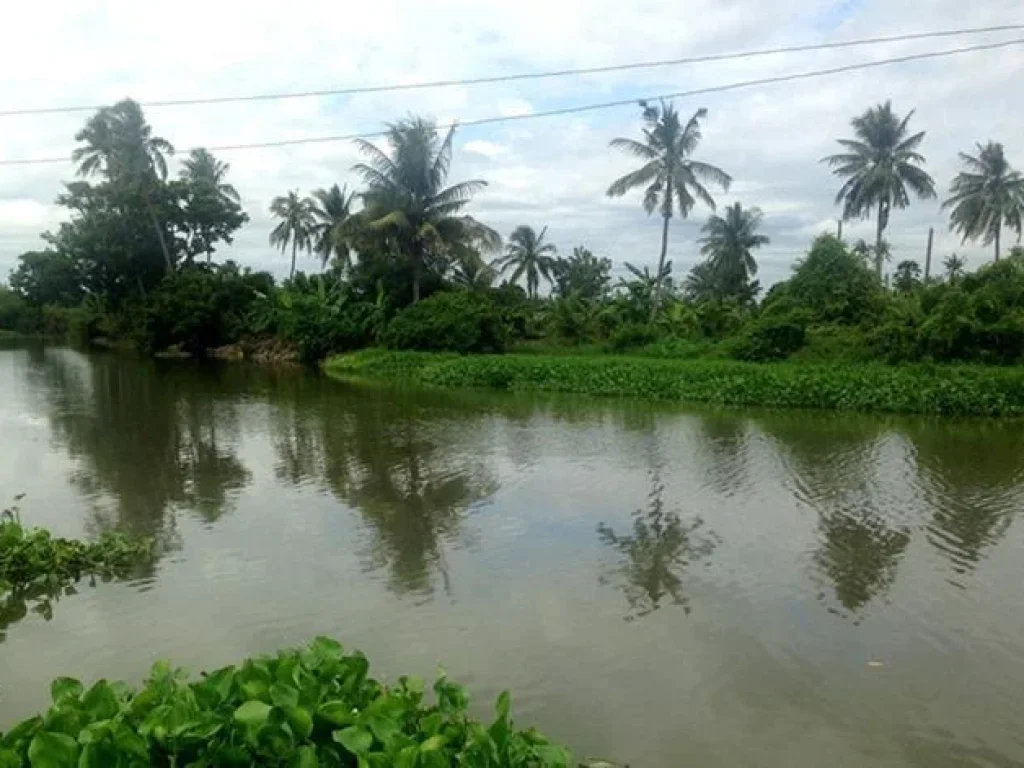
(314, 706)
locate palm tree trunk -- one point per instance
(656, 301)
(291, 272)
(159, 235)
(879, 231)
(997, 241)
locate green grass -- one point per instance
(925, 389)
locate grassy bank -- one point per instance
(946, 390)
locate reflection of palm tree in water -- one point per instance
(411, 478)
(974, 484)
(654, 556)
(147, 438)
(411, 496)
(859, 554)
(832, 466)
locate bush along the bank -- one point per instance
(926, 389)
(314, 706)
(32, 557)
(456, 321)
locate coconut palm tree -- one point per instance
(527, 254)
(672, 181)
(201, 167)
(295, 226)
(407, 198)
(211, 203)
(986, 196)
(333, 221)
(954, 266)
(879, 166)
(119, 143)
(470, 270)
(727, 243)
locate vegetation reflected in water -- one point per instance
(311, 506)
(654, 557)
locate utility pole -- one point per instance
(928, 254)
(839, 233)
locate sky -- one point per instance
(546, 172)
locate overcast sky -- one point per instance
(550, 171)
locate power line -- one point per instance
(527, 75)
(590, 107)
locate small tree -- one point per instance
(907, 277)
(295, 226)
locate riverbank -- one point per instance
(931, 389)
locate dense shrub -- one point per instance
(456, 321)
(305, 707)
(834, 343)
(772, 337)
(318, 325)
(632, 336)
(831, 283)
(16, 315)
(198, 308)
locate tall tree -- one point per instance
(986, 196)
(332, 213)
(879, 166)
(406, 197)
(672, 180)
(295, 226)
(527, 254)
(212, 207)
(119, 143)
(727, 243)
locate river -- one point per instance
(657, 585)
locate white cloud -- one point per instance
(550, 171)
(485, 148)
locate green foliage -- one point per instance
(527, 255)
(907, 277)
(834, 343)
(457, 321)
(672, 180)
(16, 315)
(986, 196)
(411, 217)
(832, 283)
(211, 207)
(318, 317)
(314, 706)
(977, 318)
(582, 275)
(939, 390)
(770, 337)
(879, 166)
(727, 244)
(574, 318)
(31, 557)
(47, 277)
(632, 336)
(197, 308)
